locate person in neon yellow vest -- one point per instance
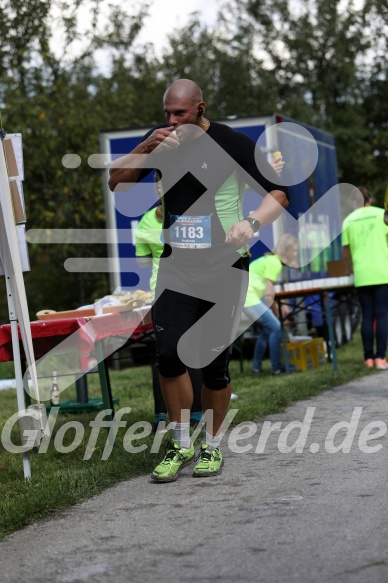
(263, 273)
(365, 250)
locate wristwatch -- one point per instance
(255, 224)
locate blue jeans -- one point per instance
(270, 333)
(374, 308)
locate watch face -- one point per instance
(255, 224)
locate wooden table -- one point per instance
(92, 340)
(294, 298)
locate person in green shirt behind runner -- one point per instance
(263, 273)
(365, 250)
(149, 247)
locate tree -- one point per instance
(224, 65)
(329, 69)
(323, 62)
(60, 100)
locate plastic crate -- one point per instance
(318, 352)
(300, 354)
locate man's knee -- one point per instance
(169, 364)
(214, 382)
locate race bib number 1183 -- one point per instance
(190, 232)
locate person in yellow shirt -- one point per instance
(263, 273)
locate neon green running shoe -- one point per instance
(174, 461)
(210, 462)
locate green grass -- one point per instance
(60, 480)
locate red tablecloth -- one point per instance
(79, 334)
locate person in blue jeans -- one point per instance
(270, 335)
(263, 273)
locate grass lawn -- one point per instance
(62, 479)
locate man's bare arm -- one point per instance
(271, 207)
(121, 171)
(269, 210)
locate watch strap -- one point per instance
(255, 224)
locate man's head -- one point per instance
(366, 197)
(183, 103)
(287, 250)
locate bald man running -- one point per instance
(202, 278)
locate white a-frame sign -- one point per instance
(13, 261)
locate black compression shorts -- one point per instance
(197, 313)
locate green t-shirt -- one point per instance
(148, 242)
(366, 234)
(260, 270)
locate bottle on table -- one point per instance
(54, 393)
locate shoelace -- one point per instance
(171, 453)
(204, 455)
